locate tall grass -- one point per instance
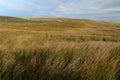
(59, 60)
(58, 53)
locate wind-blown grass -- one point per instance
(59, 51)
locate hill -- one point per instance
(7, 18)
(62, 21)
(59, 49)
(74, 22)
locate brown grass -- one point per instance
(59, 49)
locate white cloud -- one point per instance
(69, 8)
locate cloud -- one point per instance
(90, 9)
(99, 8)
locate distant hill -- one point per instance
(72, 20)
(7, 18)
(75, 22)
(60, 21)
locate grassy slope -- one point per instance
(62, 49)
(7, 18)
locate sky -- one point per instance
(106, 10)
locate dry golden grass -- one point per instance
(59, 49)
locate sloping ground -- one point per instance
(10, 19)
(79, 22)
(75, 22)
(59, 49)
(64, 29)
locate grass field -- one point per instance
(58, 49)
